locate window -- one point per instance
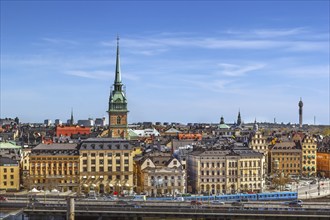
(84, 154)
(109, 154)
(93, 154)
(101, 169)
(11, 170)
(126, 177)
(126, 154)
(101, 154)
(117, 154)
(5, 170)
(118, 121)
(93, 169)
(11, 176)
(125, 161)
(4, 177)
(84, 161)
(110, 162)
(101, 161)
(93, 161)
(118, 162)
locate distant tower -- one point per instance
(71, 119)
(118, 105)
(255, 125)
(239, 120)
(222, 121)
(301, 104)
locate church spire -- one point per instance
(118, 84)
(71, 119)
(239, 119)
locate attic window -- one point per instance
(109, 146)
(101, 146)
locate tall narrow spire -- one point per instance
(71, 119)
(118, 84)
(239, 120)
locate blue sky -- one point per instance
(181, 61)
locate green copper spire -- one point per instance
(117, 100)
(118, 84)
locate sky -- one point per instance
(181, 61)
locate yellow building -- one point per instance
(225, 171)
(106, 165)
(54, 166)
(285, 157)
(309, 151)
(9, 174)
(259, 143)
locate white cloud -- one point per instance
(236, 70)
(59, 41)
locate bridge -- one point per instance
(104, 210)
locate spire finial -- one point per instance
(118, 76)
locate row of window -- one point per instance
(52, 158)
(5, 170)
(232, 164)
(101, 161)
(101, 169)
(105, 154)
(5, 177)
(11, 183)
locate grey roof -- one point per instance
(105, 144)
(6, 160)
(55, 149)
(56, 146)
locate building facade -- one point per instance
(225, 171)
(9, 174)
(323, 162)
(54, 166)
(118, 127)
(309, 152)
(259, 143)
(158, 179)
(106, 165)
(285, 157)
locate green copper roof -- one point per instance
(9, 145)
(118, 76)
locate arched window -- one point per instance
(118, 120)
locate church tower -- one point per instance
(239, 119)
(300, 104)
(118, 105)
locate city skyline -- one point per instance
(180, 62)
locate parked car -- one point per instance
(237, 204)
(295, 204)
(217, 202)
(195, 202)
